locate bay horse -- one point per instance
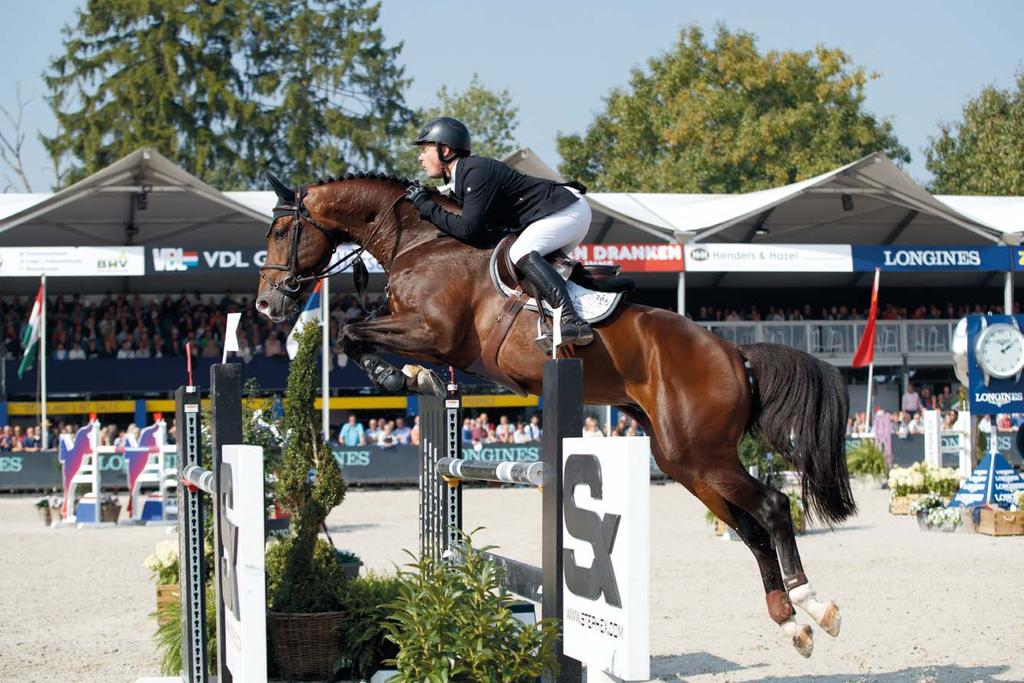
(694, 393)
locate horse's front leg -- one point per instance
(404, 334)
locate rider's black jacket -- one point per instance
(495, 196)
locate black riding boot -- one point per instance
(552, 289)
(382, 373)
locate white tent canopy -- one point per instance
(870, 201)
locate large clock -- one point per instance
(999, 350)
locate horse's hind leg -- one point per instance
(780, 608)
(770, 508)
(759, 541)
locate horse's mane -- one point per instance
(364, 175)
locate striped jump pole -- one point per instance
(531, 473)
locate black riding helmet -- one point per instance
(445, 130)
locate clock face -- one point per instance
(1000, 350)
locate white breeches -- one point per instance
(563, 229)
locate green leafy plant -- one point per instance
(310, 486)
(168, 634)
(755, 451)
(362, 638)
(453, 623)
(866, 458)
(796, 510)
(318, 588)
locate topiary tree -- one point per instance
(310, 487)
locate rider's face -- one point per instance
(431, 164)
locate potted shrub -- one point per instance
(454, 623)
(304, 578)
(866, 464)
(48, 508)
(350, 563)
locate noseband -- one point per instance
(293, 281)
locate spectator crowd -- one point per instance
(134, 326)
(476, 431)
(887, 312)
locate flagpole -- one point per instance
(325, 364)
(868, 413)
(45, 437)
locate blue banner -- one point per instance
(923, 258)
(999, 395)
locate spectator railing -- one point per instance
(916, 342)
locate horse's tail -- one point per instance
(800, 407)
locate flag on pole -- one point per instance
(866, 349)
(310, 312)
(30, 337)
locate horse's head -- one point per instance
(300, 243)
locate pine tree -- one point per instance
(331, 92)
(154, 74)
(227, 89)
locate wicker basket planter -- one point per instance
(900, 505)
(46, 515)
(110, 512)
(305, 646)
(166, 593)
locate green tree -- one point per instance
(984, 153)
(724, 117)
(490, 115)
(227, 89)
(148, 73)
(331, 92)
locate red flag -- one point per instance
(866, 349)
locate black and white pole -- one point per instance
(234, 484)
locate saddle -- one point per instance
(595, 290)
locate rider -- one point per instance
(550, 216)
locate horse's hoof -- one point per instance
(803, 640)
(427, 382)
(832, 620)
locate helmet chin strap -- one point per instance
(445, 160)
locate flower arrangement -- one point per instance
(944, 517)
(929, 502)
(922, 477)
(1018, 498)
(163, 563)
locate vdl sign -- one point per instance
(606, 556)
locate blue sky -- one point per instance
(559, 59)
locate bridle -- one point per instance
(291, 284)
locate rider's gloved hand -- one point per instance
(417, 194)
